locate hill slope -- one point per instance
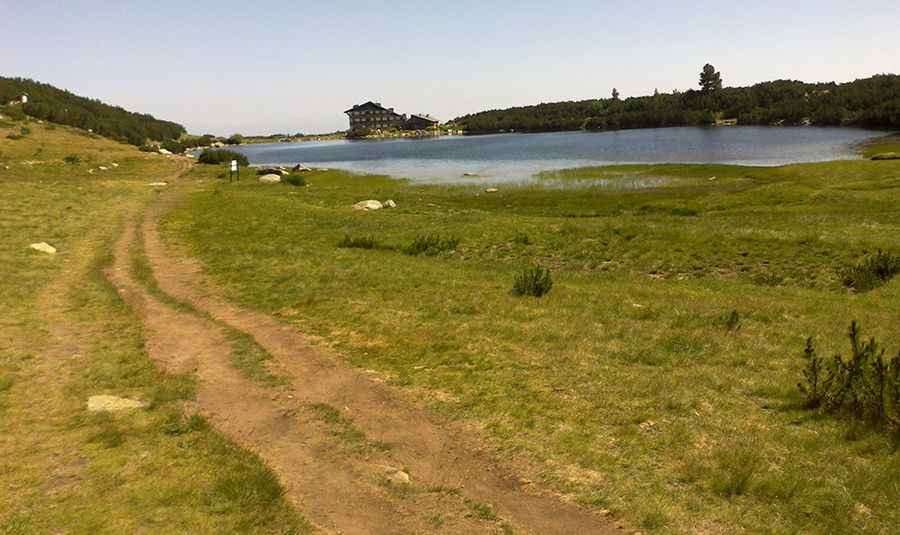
(60, 106)
(871, 102)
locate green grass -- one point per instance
(63, 469)
(628, 379)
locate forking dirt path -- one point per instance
(340, 488)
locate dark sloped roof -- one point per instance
(370, 106)
(425, 117)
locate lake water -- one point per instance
(517, 157)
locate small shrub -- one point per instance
(361, 242)
(13, 136)
(871, 272)
(222, 156)
(430, 245)
(294, 180)
(72, 159)
(866, 387)
(24, 130)
(731, 322)
(535, 282)
(521, 238)
(735, 470)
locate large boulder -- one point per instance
(272, 171)
(368, 205)
(270, 179)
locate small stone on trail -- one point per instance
(43, 247)
(270, 179)
(399, 477)
(368, 205)
(106, 403)
(491, 190)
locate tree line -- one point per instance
(870, 102)
(59, 106)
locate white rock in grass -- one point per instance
(390, 204)
(43, 247)
(158, 184)
(106, 403)
(164, 151)
(270, 179)
(368, 205)
(491, 190)
(103, 168)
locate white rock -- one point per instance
(103, 168)
(164, 151)
(43, 247)
(114, 164)
(491, 190)
(390, 203)
(399, 478)
(270, 179)
(106, 403)
(158, 184)
(368, 205)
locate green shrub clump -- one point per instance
(430, 245)
(361, 242)
(534, 282)
(72, 159)
(871, 272)
(866, 386)
(294, 180)
(222, 156)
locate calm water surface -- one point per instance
(517, 157)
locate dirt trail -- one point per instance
(340, 489)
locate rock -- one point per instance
(103, 168)
(164, 151)
(158, 184)
(390, 203)
(887, 156)
(43, 247)
(272, 171)
(368, 205)
(270, 179)
(300, 168)
(399, 477)
(106, 403)
(491, 190)
(114, 164)
(469, 174)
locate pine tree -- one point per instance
(710, 79)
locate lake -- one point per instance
(504, 158)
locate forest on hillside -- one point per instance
(56, 105)
(871, 102)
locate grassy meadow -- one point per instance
(66, 335)
(657, 379)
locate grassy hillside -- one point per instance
(62, 107)
(65, 335)
(658, 377)
(870, 102)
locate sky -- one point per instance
(284, 67)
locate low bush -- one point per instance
(430, 245)
(294, 180)
(72, 159)
(521, 238)
(222, 156)
(866, 386)
(535, 282)
(13, 136)
(360, 242)
(730, 322)
(872, 272)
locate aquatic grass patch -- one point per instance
(871, 272)
(357, 242)
(865, 386)
(430, 245)
(533, 282)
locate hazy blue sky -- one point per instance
(259, 67)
